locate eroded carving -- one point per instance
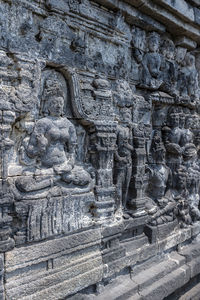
(100, 146)
(123, 157)
(52, 144)
(187, 83)
(151, 64)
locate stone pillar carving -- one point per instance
(140, 178)
(102, 148)
(6, 242)
(1, 276)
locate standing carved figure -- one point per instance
(188, 78)
(151, 74)
(168, 67)
(187, 135)
(172, 135)
(123, 158)
(193, 179)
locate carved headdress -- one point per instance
(153, 36)
(52, 88)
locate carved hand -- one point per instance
(42, 142)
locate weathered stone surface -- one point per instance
(100, 149)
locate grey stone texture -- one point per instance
(100, 149)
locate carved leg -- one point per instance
(127, 179)
(119, 187)
(31, 184)
(2, 295)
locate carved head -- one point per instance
(197, 139)
(180, 178)
(173, 117)
(180, 53)
(188, 121)
(153, 42)
(195, 122)
(124, 94)
(190, 152)
(182, 119)
(53, 87)
(168, 49)
(158, 116)
(126, 114)
(189, 60)
(53, 97)
(139, 37)
(157, 148)
(55, 106)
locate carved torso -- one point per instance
(153, 63)
(123, 141)
(50, 140)
(158, 181)
(186, 137)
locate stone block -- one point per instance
(185, 42)
(99, 143)
(197, 15)
(166, 285)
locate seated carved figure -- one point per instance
(52, 144)
(175, 202)
(160, 206)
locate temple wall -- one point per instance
(100, 149)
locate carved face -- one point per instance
(56, 105)
(126, 115)
(189, 59)
(174, 119)
(168, 49)
(181, 180)
(188, 122)
(190, 153)
(170, 52)
(153, 44)
(195, 122)
(180, 54)
(182, 120)
(197, 139)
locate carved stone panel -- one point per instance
(99, 149)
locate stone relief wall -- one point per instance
(100, 123)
